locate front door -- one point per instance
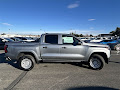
(71, 50)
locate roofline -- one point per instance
(58, 33)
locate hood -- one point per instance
(95, 45)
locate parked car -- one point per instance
(1, 44)
(108, 41)
(117, 47)
(57, 48)
(8, 40)
(82, 38)
(111, 43)
(87, 41)
(16, 39)
(97, 40)
(118, 40)
(27, 39)
(3, 41)
(34, 38)
(85, 38)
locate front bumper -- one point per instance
(108, 60)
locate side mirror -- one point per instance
(75, 44)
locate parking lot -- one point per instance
(59, 76)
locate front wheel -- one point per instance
(26, 62)
(96, 62)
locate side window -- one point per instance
(69, 40)
(52, 39)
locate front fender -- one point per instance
(101, 50)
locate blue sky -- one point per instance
(39, 16)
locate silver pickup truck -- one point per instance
(51, 47)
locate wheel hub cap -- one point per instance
(26, 63)
(95, 63)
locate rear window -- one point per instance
(23, 38)
(13, 39)
(52, 39)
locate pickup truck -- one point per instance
(57, 47)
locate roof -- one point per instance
(57, 33)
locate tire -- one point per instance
(96, 62)
(26, 62)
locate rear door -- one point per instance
(50, 48)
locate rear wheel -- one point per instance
(96, 62)
(26, 62)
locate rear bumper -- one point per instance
(9, 56)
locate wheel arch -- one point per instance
(102, 54)
(27, 53)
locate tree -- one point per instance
(81, 35)
(72, 33)
(3, 34)
(112, 32)
(116, 32)
(91, 35)
(77, 35)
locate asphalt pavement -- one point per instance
(60, 76)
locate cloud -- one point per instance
(91, 27)
(91, 19)
(74, 5)
(7, 24)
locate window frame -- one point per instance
(73, 40)
(51, 35)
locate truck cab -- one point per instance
(62, 47)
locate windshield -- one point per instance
(8, 39)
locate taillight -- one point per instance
(5, 48)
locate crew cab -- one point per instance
(57, 47)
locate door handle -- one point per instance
(44, 47)
(64, 47)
